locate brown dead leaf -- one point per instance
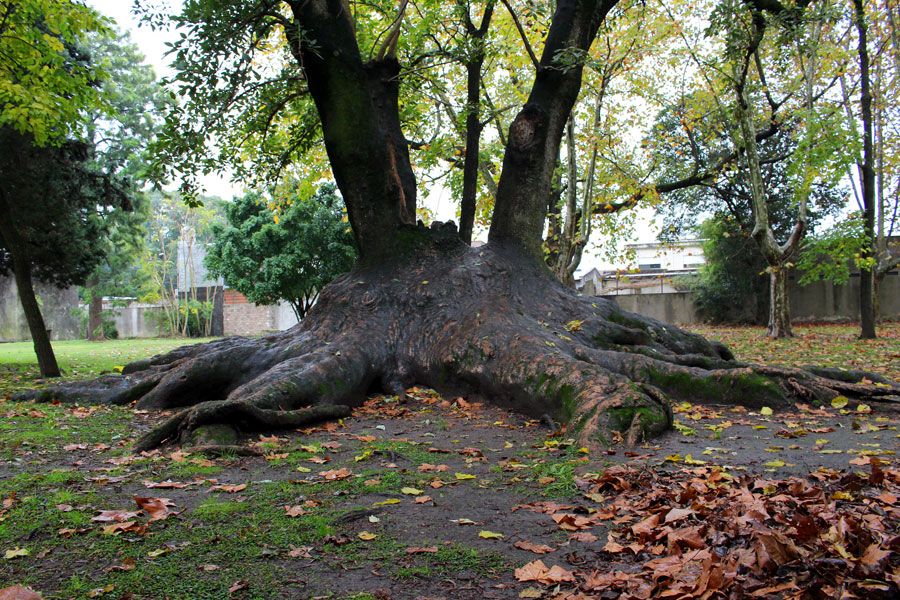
(117, 528)
(165, 485)
(241, 584)
(17, 592)
(230, 488)
(157, 508)
(114, 516)
(336, 474)
(128, 564)
(421, 550)
(300, 552)
(532, 547)
(538, 571)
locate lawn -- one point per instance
(79, 359)
(451, 499)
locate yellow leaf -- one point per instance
(765, 411)
(839, 402)
(863, 408)
(388, 501)
(366, 536)
(490, 535)
(411, 491)
(842, 496)
(675, 458)
(464, 476)
(775, 464)
(690, 460)
(16, 553)
(303, 469)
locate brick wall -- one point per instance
(245, 318)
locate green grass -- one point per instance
(79, 359)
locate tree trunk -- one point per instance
(779, 304)
(536, 132)
(473, 122)
(866, 271)
(95, 312)
(423, 308)
(21, 266)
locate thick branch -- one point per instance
(536, 132)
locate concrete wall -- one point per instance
(58, 306)
(138, 320)
(820, 301)
(677, 307)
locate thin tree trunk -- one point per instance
(95, 311)
(779, 304)
(866, 272)
(473, 122)
(21, 266)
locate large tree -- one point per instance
(421, 307)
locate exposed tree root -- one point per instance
(481, 321)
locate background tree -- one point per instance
(53, 210)
(176, 225)
(138, 102)
(46, 82)
(287, 249)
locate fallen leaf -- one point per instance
(294, 511)
(538, 571)
(157, 508)
(231, 489)
(490, 535)
(16, 553)
(765, 411)
(241, 584)
(839, 402)
(464, 476)
(411, 491)
(366, 536)
(114, 516)
(336, 474)
(418, 550)
(17, 592)
(165, 485)
(423, 499)
(532, 547)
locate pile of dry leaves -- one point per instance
(704, 533)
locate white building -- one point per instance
(651, 271)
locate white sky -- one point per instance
(440, 201)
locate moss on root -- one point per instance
(739, 387)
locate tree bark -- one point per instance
(357, 104)
(866, 271)
(21, 266)
(95, 311)
(536, 132)
(779, 304)
(474, 64)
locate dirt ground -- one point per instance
(442, 498)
